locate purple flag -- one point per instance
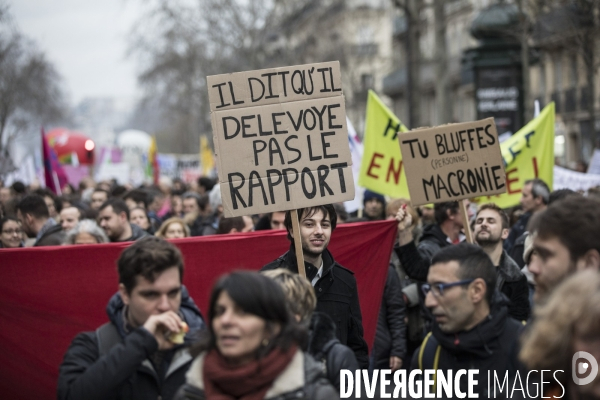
(54, 174)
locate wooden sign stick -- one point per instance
(298, 243)
(465, 219)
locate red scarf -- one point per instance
(251, 381)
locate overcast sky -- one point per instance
(86, 40)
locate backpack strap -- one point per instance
(107, 336)
(429, 356)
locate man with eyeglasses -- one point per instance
(471, 326)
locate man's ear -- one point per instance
(505, 233)
(29, 219)
(591, 259)
(477, 290)
(233, 230)
(123, 216)
(124, 294)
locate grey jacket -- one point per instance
(301, 379)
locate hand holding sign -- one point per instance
(452, 162)
(403, 218)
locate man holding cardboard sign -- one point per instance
(335, 286)
(281, 142)
(443, 164)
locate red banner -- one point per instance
(49, 294)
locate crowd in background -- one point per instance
(445, 304)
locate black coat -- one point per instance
(516, 231)
(390, 338)
(516, 253)
(491, 345)
(337, 296)
(125, 371)
(513, 283)
(326, 348)
(416, 259)
(136, 233)
(54, 236)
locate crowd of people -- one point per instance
(525, 296)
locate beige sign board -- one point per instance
(281, 138)
(453, 162)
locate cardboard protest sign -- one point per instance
(453, 162)
(281, 138)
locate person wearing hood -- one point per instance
(135, 355)
(335, 286)
(374, 206)
(471, 328)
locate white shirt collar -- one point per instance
(319, 273)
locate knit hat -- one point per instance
(372, 195)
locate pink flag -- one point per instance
(54, 174)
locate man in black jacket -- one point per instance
(132, 356)
(113, 217)
(472, 329)
(34, 216)
(491, 228)
(335, 286)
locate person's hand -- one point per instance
(403, 218)
(161, 325)
(395, 363)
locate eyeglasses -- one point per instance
(438, 288)
(12, 231)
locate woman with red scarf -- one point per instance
(252, 350)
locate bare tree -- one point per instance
(30, 92)
(179, 43)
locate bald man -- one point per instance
(69, 217)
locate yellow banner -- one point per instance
(206, 156)
(381, 170)
(527, 154)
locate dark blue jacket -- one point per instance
(128, 369)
